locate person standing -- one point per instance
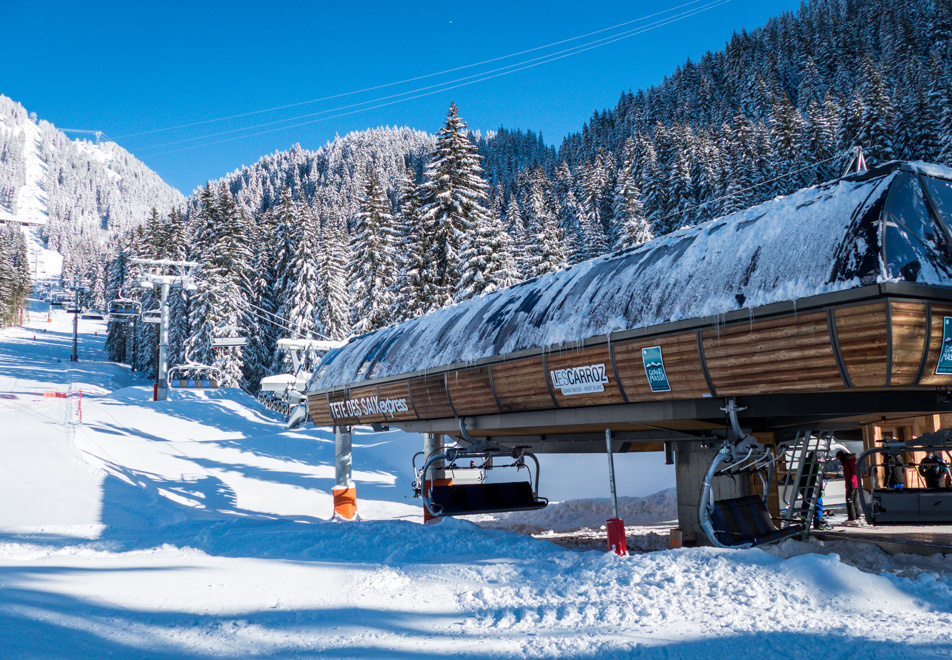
(848, 461)
(933, 470)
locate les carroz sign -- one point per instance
(580, 380)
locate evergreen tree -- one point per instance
(631, 225)
(486, 263)
(14, 275)
(876, 114)
(454, 200)
(333, 304)
(546, 252)
(373, 264)
(413, 248)
(519, 238)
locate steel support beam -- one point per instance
(345, 491)
(432, 445)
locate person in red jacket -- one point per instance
(848, 461)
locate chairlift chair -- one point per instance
(192, 374)
(229, 342)
(195, 375)
(924, 500)
(151, 316)
(741, 522)
(459, 499)
(124, 310)
(285, 393)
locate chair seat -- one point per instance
(484, 498)
(745, 520)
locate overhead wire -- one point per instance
(434, 89)
(287, 327)
(408, 80)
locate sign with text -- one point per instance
(654, 369)
(945, 354)
(368, 406)
(580, 380)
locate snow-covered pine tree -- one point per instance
(631, 225)
(14, 275)
(304, 289)
(373, 266)
(454, 198)
(519, 238)
(485, 261)
(819, 142)
(224, 286)
(876, 116)
(177, 232)
(787, 129)
(413, 247)
(287, 221)
(546, 251)
(333, 302)
(741, 166)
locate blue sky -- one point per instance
(126, 67)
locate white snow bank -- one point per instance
(654, 509)
(209, 538)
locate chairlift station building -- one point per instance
(828, 309)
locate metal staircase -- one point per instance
(810, 452)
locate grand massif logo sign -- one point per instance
(654, 369)
(580, 380)
(944, 365)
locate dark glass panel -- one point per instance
(902, 255)
(908, 206)
(941, 193)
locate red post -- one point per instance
(155, 392)
(617, 542)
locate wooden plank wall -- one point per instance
(864, 343)
(682, 365)
(789, 354)
(908, 336)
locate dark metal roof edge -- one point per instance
(783, 308)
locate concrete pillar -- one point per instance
(691, 461)
(345, 491)
(433, 444)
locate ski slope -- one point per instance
(198, 527)
(30, 202)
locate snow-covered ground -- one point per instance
(197, 527)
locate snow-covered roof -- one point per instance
(819, 240)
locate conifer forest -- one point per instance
(387, 224)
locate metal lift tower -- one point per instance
(77, 289)
(165, 275)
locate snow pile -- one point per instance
(654, 509)
(806, 244)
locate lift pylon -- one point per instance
(165, 275)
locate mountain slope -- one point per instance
(83, 194)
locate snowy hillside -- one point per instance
(81, 192)
(198, 528)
